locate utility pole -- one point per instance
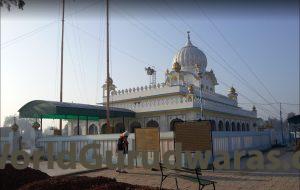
(281, 124)
(107, 67)
(62, 60)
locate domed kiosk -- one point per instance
(190, 57)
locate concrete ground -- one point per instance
(286, 178)
(244, 179)
(225, 180)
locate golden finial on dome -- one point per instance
(14, 126)
(232, 90)
(191, 89)
(176, 67)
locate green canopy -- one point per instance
(65, 110)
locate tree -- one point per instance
(8, 3)
(25, 127)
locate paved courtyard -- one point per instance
(284, 179)
(225, 180)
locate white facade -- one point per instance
(188, 89)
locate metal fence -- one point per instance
(222, 142)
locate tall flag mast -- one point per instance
(62, 59)
(108, 80)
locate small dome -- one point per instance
(110, 81)
(253, 108)
(176, 66)
(191, 57)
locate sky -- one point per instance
(253, 47)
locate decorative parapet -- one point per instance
(182, 102)
(137, 89)
(155, 90)
(145, 92)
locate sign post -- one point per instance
(147, 140)
(194, 136)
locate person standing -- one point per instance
(122, 145)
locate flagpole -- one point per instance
(107, 66)
(62, 60)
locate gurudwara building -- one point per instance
(188, 93)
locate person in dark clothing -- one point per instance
(122, 145)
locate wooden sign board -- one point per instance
(297, 145)
(147, 139)
(194, 136)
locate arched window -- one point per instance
(213, 125)
(93, 130)
(247, 127)
(233, 126)
(119, 128)
(238, 127)
(152, 123)
(227, 126)
(221, 126)
(134, 125)
(243, 127)
(173, 122)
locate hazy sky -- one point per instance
(264, 37)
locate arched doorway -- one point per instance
(227, 126)
(243, 127)
(104, 129)
(173, 122)
(221, 126)
(119, 128)
(233, 126)
(93, 130)
(213, 125)
(134, 125)
(152, 123)
(238, 127)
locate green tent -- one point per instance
(64, 110)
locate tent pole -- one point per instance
(41, 123)
(86, 126)
(78, 125)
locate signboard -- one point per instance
(147, 139)
(194, 136)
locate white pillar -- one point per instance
(14, 141)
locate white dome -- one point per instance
(189, 56)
